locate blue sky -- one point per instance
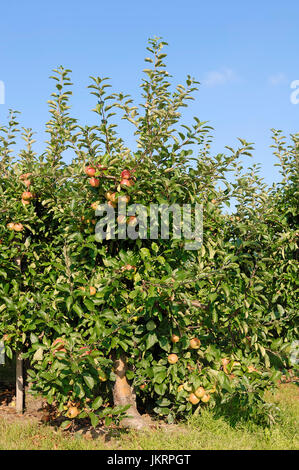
(245, 54)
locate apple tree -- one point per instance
(140, 323)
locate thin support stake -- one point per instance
(19, 385)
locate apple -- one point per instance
(194, 343)
(172, 358)
(175, 338)
(121, 219)
(94, 182)
(94, 205)
(27, 183)
(92, 290)
(252, 369)
(27, 195)
(125, 175)
(90, 171)
(24, 202)
(200, 392)
(86, 352)
(193, 399)
(18, 227)
(102, 376)
(63, 350)
(10, 226)
(73, 412)
(225, 361)
(128, 267)
(58, 343)
(132, 221)
(111, 196)
(125, 199)
(112, 204)
(25, 176)
(102, 167)
(206, 398)
(125, 182)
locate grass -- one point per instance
(202, 432)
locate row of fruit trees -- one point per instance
(127, 326)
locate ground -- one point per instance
(30, 431)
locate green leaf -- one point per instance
(38, 355)
(97, 403)
(94, 419)
(151, 340)
(151, 325)
(88, 380)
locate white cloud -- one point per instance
(219, 77)
(277, 79)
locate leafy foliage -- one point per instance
(237, 294)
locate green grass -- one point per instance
(202, 432)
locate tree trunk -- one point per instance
(19, 384)
(123, 394)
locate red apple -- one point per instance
(94, 182)
(25, 203)
(27, 183)
(86, 352)
(58, 343)
(128, 267)
(125, 175)
(25, 176)
(121, 219)
(27, 195)
(126, 182)
(132, 221)
(90, 171)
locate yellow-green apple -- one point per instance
(206, 398)
(175, 338)
(200, 392)
(172, 358)
(193, 399)
(18, 227)
(194, 343)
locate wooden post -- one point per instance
(19, 384)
